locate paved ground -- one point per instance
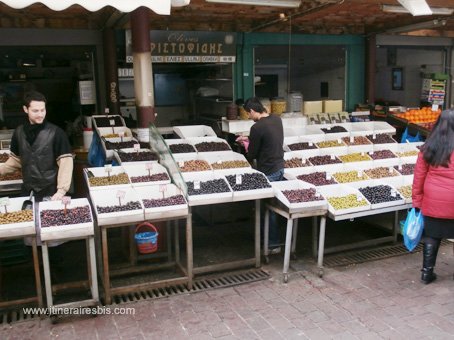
(374, 300)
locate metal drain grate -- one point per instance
(202, 284)
(16, 315)
(345, 259)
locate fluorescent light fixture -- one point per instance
(400, 9)
(416, 7)
(272, 3)
(419, 26)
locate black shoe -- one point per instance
(428, 275)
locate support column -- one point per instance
(371, 61)
(111, 73)
(143, 73)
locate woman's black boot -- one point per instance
(430, 251)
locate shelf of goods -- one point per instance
(433, 91)
(146, 174)
(135, 156)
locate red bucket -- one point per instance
(146, 238)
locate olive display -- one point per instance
(354, 157)
(213, 186)
(120, 145)
(16, 217)
(296, 162)
(121, 178)
(212, 146)
(249, 181)
(4, 157)
(164, 202)
(65, 216)
(230, 164)
(405, 191)
(323, 160)
(181, 148)
(334, 129)
(317, 179)
(106, 121)
(140, 156)
(408, 153)
(13, 176)
(330, 144)
(195, 165)
(346, 202)
(132, 205)
(382, 154)
(357, 140)
(302, 195)
(301, 146)
(381, 138)
(150, 178)
(381, 172)
(406, 169)
(380, 194)
(350, 176)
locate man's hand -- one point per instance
(57, 196)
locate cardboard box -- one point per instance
(310, 107)
(330, 106)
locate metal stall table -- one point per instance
(22, 230)
(62, 233)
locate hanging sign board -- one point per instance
(188, 47)
(87, 92)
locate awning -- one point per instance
(158, 6)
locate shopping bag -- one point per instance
(413, 227)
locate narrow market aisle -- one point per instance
(373, 300)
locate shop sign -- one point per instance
(188, 47)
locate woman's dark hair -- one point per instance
(33, 96)
(439, 145)
(254, 103)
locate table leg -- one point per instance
(177, 242)
(288, 242)
(295, 235)
(266, 232)
(314, 236)
(105, 260)
(395, 226)
(92, 260)
(39, 293)
(47, 279)
(169, 241)
(321, 245)
(257, 233)
(189, 254)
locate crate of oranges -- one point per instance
(422, 115)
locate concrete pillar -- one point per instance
(371, 64)
(111, 73)
(143, 73)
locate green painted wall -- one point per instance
(355, 62)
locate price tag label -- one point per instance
(311, 144)
(332, 157)
(149, 166)
(339, 141)
(162, 187)
(66, 200)
(303, 160)
(399, 167)
(434, 107)
(371, 153)
(238, 179)
(328, 176)
(136, 147)
(393, 193)
(219, 162)
(121, 134)
(106, 111)
(363, 154)
(359, 198)
(390, 169)
(352, 139)
(112, 122)
(360, 173)
(374, 136)
(121, 194)
(108, 168)
(4, 201)
(196, 185)
(181, 164)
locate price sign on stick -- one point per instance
(328, 176)
(390, 169)
(196, 185)
(4, 201)
(65, 200)
(121, 134)
(400, 167)
(359, 198)
(136, 147)
(332, 157)
(352, 139)
(149, 167)
(393, 193)
(120, 195)
(108, 169)
(360, 173)
(238, 179)
(163, 189)
(311, 143)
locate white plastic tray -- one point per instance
(245, 195)
(204, 199)
(386, 204)
(339, 190)
(180, 141)
(17, 229)
(195, 141)
(121, 120)
(109, 197)
(213, 157)
(65, 231)
(105, 131)
(101, 172)
(190, 131)
(158, 192)
(110, 152)
(136, 170)
(131, 150)
(400, 181)
(281, 186)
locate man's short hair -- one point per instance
(254, 103)
(33, 96)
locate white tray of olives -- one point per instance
(207, 188)
(65, 219)
(146, 174)
(344, 199)
(249, 184)
(298, 195)
(107, 177)
(15, 222)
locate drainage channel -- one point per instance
(201, 284)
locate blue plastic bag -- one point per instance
(96, 155)
(407, 138)
(413, 227)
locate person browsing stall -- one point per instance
(433, 190)
(41, 150)
(266, 139)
